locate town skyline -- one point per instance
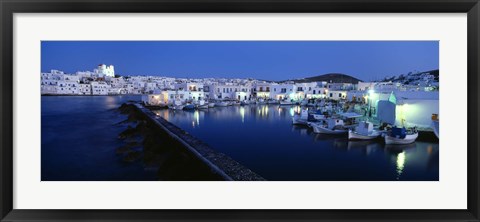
(265, 60)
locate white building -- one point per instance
(194, 90)
(100, 88)
(104, 70)
(85, 89)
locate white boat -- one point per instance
(202, 105)
(333, 126)
(221, 104)
(301, 119)
(189, 107)
(176, 105)
(244, 102)
(394, 138)
(261, 101)
(352, 135)
(211, 104)
(285, 103)
(364, 131)
(272, 101)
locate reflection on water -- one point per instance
(262, 138)
(400, 163)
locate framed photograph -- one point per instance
(220, 110)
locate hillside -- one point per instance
(416, 78)
(330, 77)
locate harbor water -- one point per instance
(262, 138)
(79, 139)
(80, 136)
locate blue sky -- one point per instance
(269, 60)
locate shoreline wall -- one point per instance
(220, 164)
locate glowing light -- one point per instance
(400, 164)
(242, 114)
(371, 91)
(197, 117)
(292, 111)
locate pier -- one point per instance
(219, 163)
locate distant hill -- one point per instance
(415, 77)
(330, 77)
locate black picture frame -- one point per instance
(9, 7)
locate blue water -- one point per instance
(79, 139)
(262, 138)
(80, 136)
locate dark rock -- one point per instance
(132, 156)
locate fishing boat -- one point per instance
(176, 105)
(244, 102)
(189, 106)
(221, 104)
(364, 131)
(272, 101)
(202, 105)
(329, 126)
(301, 119)
(286, 103)
(235, 103)
(261, 102)
(400, 136)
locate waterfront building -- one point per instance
(283, 91)
(336, 94)
(100, 88)
(229, 91)
(157, 99)
(262, 90)
(340, 86)
(415, 108)
(194, 90)
(65, 87)
(85, 89)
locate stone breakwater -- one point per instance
(212, 164)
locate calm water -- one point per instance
(263, 138)
(79, 139)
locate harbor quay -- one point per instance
(220, 165)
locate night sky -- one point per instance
(268, 60)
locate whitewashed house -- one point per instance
(194, 90)
(100, 88)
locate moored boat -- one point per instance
(400, 136)
(244, 102)
(176, 105)
(301, 119)
(221, 104)
(364, 131)
(286, 103)
(330, 126)
(189, 107)
(272, 101)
